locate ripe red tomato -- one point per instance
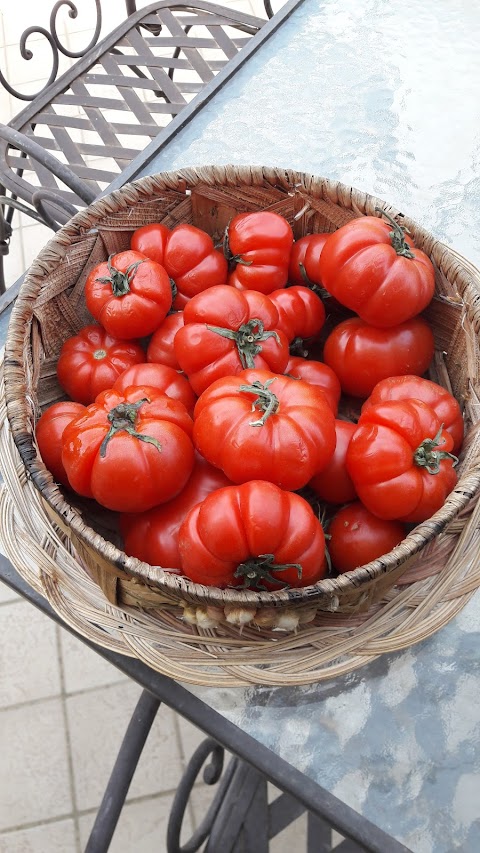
(296, 267)
(319, 374)
(259, 244)
(152, 536)
(371, 267)
(129, 295)
(305, 259)
(300, 310)
(226, 331)
(259, 425)
(129, 451)
(357, 537)
(48, 433)
(254, 535)
(188, 255)
(334, 484)
(400, 461)
(151, 240)
(159, 376)
(438, 398)
(160, 348)
(91, 361)
(361, 355)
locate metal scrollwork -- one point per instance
(74, 54)
(55, 45)
(27, 54)
(212, 774)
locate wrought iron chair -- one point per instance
(135, 84)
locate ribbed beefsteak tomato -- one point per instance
(371, 267)
(259, 425)
(129, 295)
(361, 355)
(188, 255)
(254, 535)
(305, 259)
(92, 360)
(226, 331)
(129, 451)
(400, 460)
(434, 395)
(333, 484)
(258, 244)
(301, 312)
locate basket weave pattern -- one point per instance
(332, 645)
(51, 307)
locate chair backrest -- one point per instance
(104, 110)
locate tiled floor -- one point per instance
(63, 710)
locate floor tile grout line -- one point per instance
(133, 801)
(73, 794)
(48, 821)
(17, 706)
(143, 798)
(67, 694)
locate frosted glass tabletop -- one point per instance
(384, 97)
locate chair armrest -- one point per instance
(8, 178)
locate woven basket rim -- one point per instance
(143, 190)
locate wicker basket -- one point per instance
(50, 308)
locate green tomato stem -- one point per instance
(255, 570)
(427, 456)
(120, 281)
(397, 236)
(248, 339)
(122, 419)
(266, 401)
(233, 260)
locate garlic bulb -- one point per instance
(237, 615)
(208, 617)
(287, 620)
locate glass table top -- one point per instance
(385, 98)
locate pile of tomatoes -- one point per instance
(195, 414)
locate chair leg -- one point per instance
(122, 773)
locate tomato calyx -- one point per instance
(122, 419)
(427, 456)
(247, 339)
(312, 285)
(232, 260)
(266, 400)
(397, 236)
(120, 281)
(258, 569)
